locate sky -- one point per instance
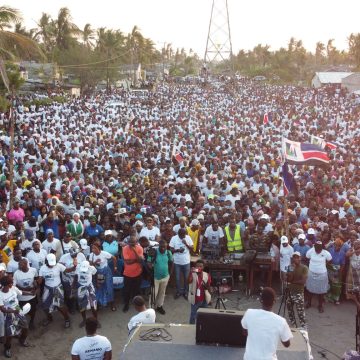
(185, 23)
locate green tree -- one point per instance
(354, 49)
(65, 29)
(88, 36)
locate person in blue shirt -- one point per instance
(336, 270)
(94, 230)
(302, 248)
(110, 244)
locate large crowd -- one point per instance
(99, 180)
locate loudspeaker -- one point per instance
(223, 327)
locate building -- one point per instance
(351, 82)
(328, 78)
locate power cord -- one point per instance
(323, 351)
(155, 334)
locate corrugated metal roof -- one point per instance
(353, 78)
(332, 77)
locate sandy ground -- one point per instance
(334, 330)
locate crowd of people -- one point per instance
(101, 180)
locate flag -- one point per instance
(303, 153)
(288, 179)
(323, 143)
(265, 119)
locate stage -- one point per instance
(180, 344)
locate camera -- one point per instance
(151, 251)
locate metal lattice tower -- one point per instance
(218, 43)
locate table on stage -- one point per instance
(261, 262)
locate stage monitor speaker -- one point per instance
(223, 327)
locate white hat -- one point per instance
(2, 267)
(84, 266)
(139, 223)
(264, 216)
(302, 236)
(200, 217)
(83, 244)
(311, 231)
(284, 240)
(296, 253)
(2, 232)
(195, 222)
(122, 211)
(51, 259)
(108, 232)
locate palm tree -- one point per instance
(88, 36)
(46, 31)
(14, 44)
(65, 29)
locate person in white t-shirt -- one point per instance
(181, 245)
(286, 252)
(144, 316)
(151, 232)
(36, 256)
(264, 329)
(15, 322)
(25, 280)
(91, 346)
(86, 294)
(214, 235)
(318, 280)
(53, 296)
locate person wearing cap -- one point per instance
(286, 252)
(53, 296)
(52, 245)
(317, 282)
(69, 260)
(194, 232)
(15, 321)
(76, 227)
(25, 278)
(84, 247)
(143, 316)
(110, 244)
(86, 295)
(233, 237)
(264, 329)
(97, 345)
(37, 255)
(311, 238)
(296, 278)
(301, 247)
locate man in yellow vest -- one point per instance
(233, 237)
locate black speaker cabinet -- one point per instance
(223, 327)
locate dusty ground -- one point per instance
(334, 330)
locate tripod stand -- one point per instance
(219, 300)
(152, 299)
(285, 299)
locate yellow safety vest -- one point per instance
(234, 244)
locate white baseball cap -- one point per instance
(296, 253)
(311, 231)
(83, 244)
(284, 240)
(2, 232)
(84, 266)
(51, 259)
(107, 232)
(302, 236)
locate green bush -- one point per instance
(4, 104)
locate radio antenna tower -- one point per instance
(218, 43)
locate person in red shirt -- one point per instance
(199, 289)
(133, 255)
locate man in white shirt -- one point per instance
(181, 245)
(264, 329)
(151, 232)
(91, 346)
(144, 316)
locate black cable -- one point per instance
(155, 334)
(326, 350)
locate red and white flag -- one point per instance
(266, 118)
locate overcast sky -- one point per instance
(184, 23)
